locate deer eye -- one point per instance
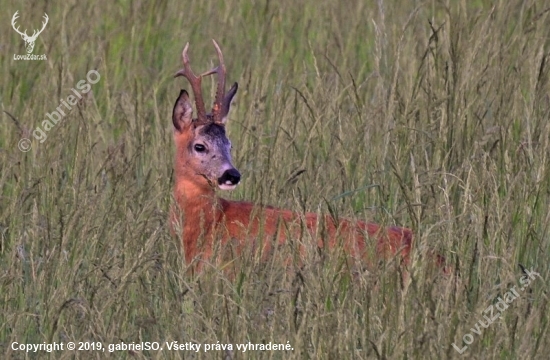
(200, 148)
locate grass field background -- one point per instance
(432, 115)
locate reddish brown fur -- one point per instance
(205, 218)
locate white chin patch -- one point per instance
(227, 186)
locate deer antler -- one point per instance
(44, 23)
(220, 109)
(13, 20)
(24, 34)
(195, 82)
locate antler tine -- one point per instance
(220, 92)
(35, 33)
(195, 82)
(14, 20)
(44, 23)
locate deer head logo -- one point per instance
(29, 40)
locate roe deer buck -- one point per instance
(203, 162)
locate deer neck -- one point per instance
(193, 198)
(200, 210)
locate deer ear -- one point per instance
(227, 102)
(182, 115)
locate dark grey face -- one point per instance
(212, 151)
(214, 132)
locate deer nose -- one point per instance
(230, 177)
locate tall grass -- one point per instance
(432, 115)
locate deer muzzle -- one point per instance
(229, 179)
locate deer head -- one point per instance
(29, 40)
(203, 151)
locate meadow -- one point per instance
(432, 115)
